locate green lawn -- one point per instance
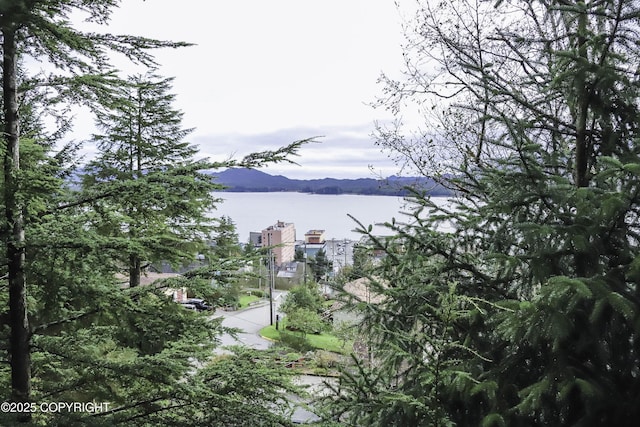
(244, 300)
(321, 342)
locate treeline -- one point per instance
(247, 180)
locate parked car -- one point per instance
(199, 304)
(188, 306)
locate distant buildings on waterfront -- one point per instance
(281, 238)
(313, 243)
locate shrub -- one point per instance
(295, 341)
(305, 320)
(256, 292)
(305, 296)
(326, 359)
(292, 357)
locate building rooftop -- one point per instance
(314, 232)
(278, 225)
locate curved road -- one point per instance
(250, 320)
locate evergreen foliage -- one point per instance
(226, 244)
(320, 265)
(516, 303)
(93, 340)
(164, 196)
(73, 331)
(362, 262)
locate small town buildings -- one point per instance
(282, 238)
(314, 241)
(255, 239)
(314, 236)
(360, 290)
(149, 278)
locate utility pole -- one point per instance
(333, 251)
(345, 251)
(260, 265)
(304, 257)
(271, 277)
(271, 286)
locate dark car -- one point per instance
(188, 306)
(199, 304)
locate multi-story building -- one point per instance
(314, 236)
(255, 239)
(281, 236)
(313, 242)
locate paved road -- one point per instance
(250, 321)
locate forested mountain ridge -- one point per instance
(251, 180)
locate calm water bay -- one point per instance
(255, 211)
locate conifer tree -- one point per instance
(41, 29)
(163, 209)
(226, 244)
(92, 340)
(73, 333)
(320, 265)
(516, 303)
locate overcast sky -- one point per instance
(266, 73)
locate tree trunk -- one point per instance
(135, 270)
(19, 351)
(583, 259)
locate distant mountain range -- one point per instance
(251, 180)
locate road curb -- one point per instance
(260, 304)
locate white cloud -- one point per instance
(265, 73)
(341, 152)
(261, 66)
